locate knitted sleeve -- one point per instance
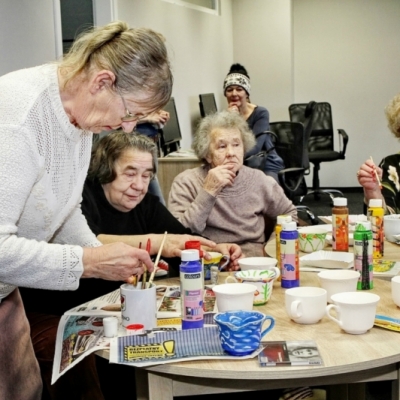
(26, 259)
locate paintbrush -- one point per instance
(157, 259)
(376, 174)
(148, 247)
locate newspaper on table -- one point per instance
(80, 331)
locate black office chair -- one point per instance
(289, 139)
(320, 142)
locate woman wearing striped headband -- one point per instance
(237, 92)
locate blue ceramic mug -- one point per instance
(240, 331)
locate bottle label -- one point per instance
(363, 260)
(278, 229)
(340, 232)
(192, 296)
(289, 260)
(375, 216)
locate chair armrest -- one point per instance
(295, 180)
(343, 135)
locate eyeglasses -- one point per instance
(129, 117)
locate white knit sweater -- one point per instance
(43, 165)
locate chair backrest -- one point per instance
(290, 143)
(321, 133)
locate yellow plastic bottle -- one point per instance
(375, 216)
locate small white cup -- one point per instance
(110, 326)
(139, 306)
(305, 305)
(396, 290)
(338, 281)
(234, 296)
(355, 311)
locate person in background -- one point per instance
(112, 76)
(223, 199)
(150, 127)
(388, 189)
(237, 92)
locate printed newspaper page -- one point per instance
(80, 331)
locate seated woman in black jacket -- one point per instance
(118, 208)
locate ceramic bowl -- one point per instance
(234, 296)
(391, 226)
(260, 263)
(240, 331)
(264, 280)
(312, 238)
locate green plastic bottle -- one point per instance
(363, 255)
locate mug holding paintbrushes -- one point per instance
(139, 300)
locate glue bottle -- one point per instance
(375, 215)
(290, 255)
(340, 225)
(278, 229)
(363, 255)
(192, 288)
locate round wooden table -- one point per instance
(348, 359)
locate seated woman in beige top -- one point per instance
(223, 199)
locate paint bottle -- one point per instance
(192, 289)
(278, 228)
(363, 255)
(195, 244)
(375, 215)
(340, 225)
(290, 255)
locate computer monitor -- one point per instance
(207, 104)
(171, 132)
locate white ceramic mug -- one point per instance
(139, 306)
(264, 281)
(395, 283)
(306, 305)
(234, 296)
(338, 281)
(355, 311)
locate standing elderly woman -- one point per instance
(111, 77)
(237, 92)
(225, 200)
(388, 170)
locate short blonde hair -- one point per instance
(221, 120)
(392, 111)
(137, 57)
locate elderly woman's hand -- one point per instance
(217, 178)
(366, 176)
(115, 262)
(233, 251)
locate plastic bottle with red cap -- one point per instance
(192, 289)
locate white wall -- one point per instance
(347, 52)
(343, 51)
(200, 46)
(27, 34)
(263, 44)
